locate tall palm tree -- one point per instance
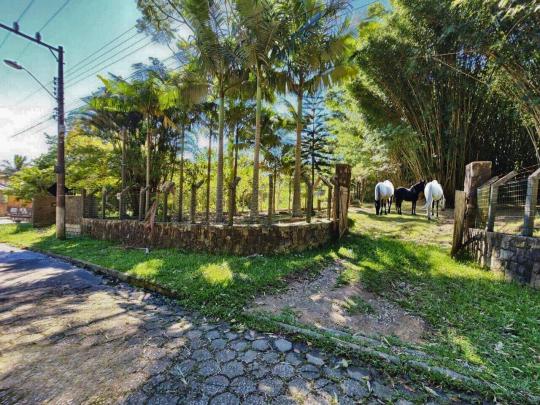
(18, 163)
(261, 32)
(313, 56)
(140, 96)
(180, 94)
(218, 52)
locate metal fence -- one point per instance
(502, 203)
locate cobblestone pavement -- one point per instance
(70, 337)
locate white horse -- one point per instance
(384, 192)
(434, 194)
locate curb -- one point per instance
(445, 373)
(110, 273)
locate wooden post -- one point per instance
(270, 198)
(165, 205)
(530, 204)
(141, 203)
(329, 203)
(84, 209)
(493, 195)
(460, 205)
(103, 202)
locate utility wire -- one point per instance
(51, 18)
(70, 70)
(100, 49)
(18, 19)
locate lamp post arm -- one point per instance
(41, 84)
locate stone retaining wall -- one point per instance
(238, 239)
(518, 257)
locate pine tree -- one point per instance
(317, 143)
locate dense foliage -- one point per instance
(429, 95)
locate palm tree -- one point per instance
(313, 57)
(18, 163)
(261, 31)
(180, 94)
(218, 54)
(140, 96)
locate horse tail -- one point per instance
(377, 192)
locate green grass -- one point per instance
(215, 285)
(358, 306)
(474, 316)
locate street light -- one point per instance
(13, 64)
(17, 66)
(58, 53)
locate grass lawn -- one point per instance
(215, 285)
(474, 316)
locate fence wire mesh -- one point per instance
(509, 206)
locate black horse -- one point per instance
(409, 194)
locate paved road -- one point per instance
(70, 337)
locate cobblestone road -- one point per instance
(70, 337)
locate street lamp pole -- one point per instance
(58, 53)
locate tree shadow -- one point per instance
(470, 310)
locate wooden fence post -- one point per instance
(270, 198)
(142, 212)
(530, 204)
(460, 205)
(84, 207)
(103, 201)
(493, 195)
(165, 205)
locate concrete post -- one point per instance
(476, 174)
(530, 204)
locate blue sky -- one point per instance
(82, 27)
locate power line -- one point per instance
(38, 89)
(18, 19)
(78, 66)
(51, 18)
(44, 121)
(92, 67)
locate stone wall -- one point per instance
(238, 239)
(518, 257)
(43, 211)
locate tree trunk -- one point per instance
(148, 160)
(254, 213)
(297, 209)
(181, 180)
(122, 202)
(208, 173)
(235, 169)
(219, 180)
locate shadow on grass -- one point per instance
(474, 314)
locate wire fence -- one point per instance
(508, 204)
